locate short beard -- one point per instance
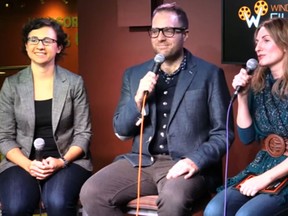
(175, 56)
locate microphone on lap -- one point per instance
(39, 144)
(251, 65)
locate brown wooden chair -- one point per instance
(148, 206)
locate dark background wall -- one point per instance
(107, 46)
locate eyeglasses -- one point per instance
(45, 41)
(168, 32)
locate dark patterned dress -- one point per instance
(270, 116)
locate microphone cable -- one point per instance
(158, 60)
(41, 200)
(140, 154)
(251, 65)
(227, 157)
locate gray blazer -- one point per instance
(197, 124)
(70, 115)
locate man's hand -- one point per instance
(147, 84)
(184, 166)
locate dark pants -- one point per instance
(110, 189)
(20, 193)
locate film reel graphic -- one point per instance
(260, 8)
(261, 5)
(244, 10)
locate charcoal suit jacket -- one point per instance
(197, 123)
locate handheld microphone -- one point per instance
(251, 65)
(39, 144)
(158, 60)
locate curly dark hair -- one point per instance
(43, 22)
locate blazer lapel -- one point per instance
(184, 81)
(150, 106)
(59, 96)
(26, 91)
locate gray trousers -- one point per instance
(108, 191)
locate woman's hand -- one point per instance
(242, 79)
(45, 168)
(253, 185)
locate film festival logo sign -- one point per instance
(262, 9)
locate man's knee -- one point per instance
(87, 192)
(173, 203)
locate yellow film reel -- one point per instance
(244, 10)
(261, 5)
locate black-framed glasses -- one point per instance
(167, 32)
(46, 41)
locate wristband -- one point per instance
(66, 162)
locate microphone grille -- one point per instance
(251, 64)
(39, 143)
(159, 58)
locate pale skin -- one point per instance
(172, 49)
(43, 65)
(272, 56)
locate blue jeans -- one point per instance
(241, 205)
(20, 192)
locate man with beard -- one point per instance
(184, 136)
